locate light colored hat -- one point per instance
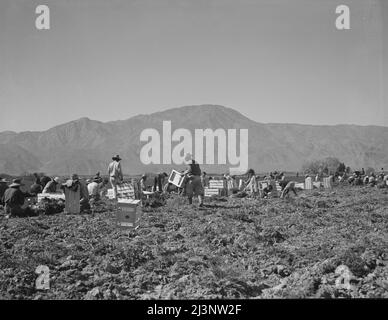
(16, 183)
(3, 180)
(56, 179)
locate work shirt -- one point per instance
(114, 170)
(194, 169)
(44, 180)
(13, 197)
(93, 188)
(159, 182)
(84, 192)
(51, 187)
(36, 188)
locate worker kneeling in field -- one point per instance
(194, 183)
(287, 187)
(14, 199)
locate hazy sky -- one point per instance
(273, 61)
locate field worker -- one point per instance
(36, 188)
(14, 198)
(94, 188)
(115, 174)
(193, 185)
(251, 186)
(372, 180)
(142, 183)
(204, 179)
(290, 186)
(44, 180)
(159, 181)
(98, 177)
(51, 186)
(267, 190)
(3, 187)
(365, 180)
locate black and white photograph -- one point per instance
(193, 150)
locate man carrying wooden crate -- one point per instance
(194, 183)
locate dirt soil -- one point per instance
(324, 244)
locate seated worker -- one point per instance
(51, 186)
(36, 187)
(290, 186)
(94, 188)
(14, 198)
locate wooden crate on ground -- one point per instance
(308, 183)
(217, 184)
(328, 182)
(210, 192)
(124, 191)
(129, 213)
(176, 178)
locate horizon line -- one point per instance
(199, 105)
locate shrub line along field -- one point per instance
(232, 248)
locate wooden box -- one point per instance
(216, 184)
(176, 178)
(209, 192)
(129, 213)
(308, 183)
(124, 191)
(327, 182)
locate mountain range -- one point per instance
(86, 146)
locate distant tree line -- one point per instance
(329, 165)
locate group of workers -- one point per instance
(195, 181)
(14, 199)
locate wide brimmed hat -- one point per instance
(3, 180)
(16, 183)
(116, 157)
(74, 176)
(57, 180)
